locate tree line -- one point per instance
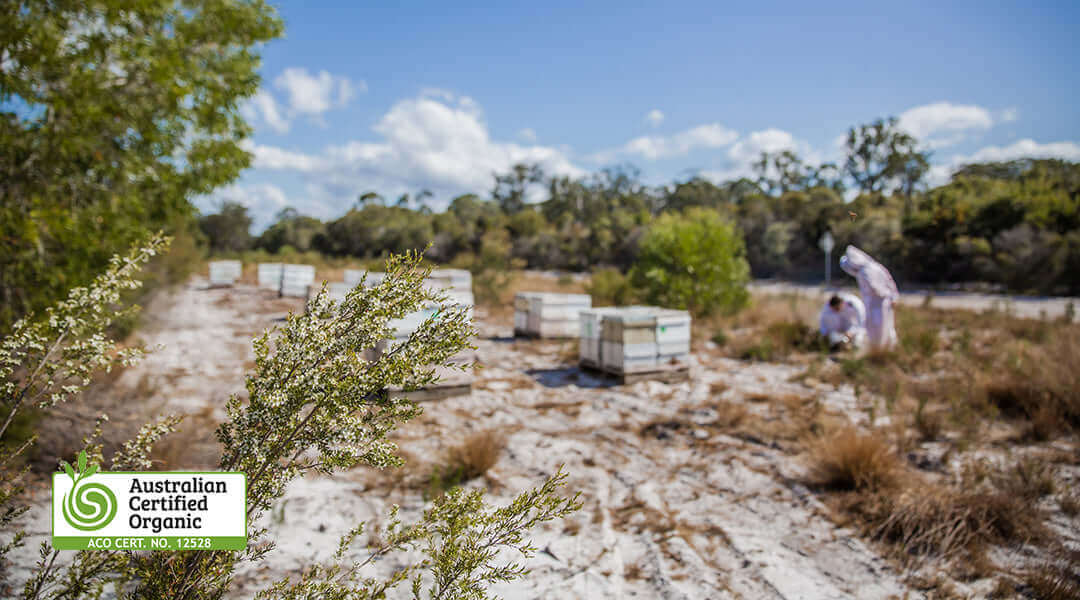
(1013, 224)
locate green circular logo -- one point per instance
(89, 506)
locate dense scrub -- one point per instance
(1015, 225)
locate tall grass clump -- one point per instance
(852, 461)
(474, 456)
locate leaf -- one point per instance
(90, 471)
(82, 461)
(69, 470)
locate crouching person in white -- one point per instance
(843, 322)
(878, 292)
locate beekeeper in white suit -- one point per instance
(843, 321)
(878, 293)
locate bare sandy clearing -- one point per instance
(676, 504)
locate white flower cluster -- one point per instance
(49, 360)
(317, 403)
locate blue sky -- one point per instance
(398, 97)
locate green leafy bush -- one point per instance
(609, 287)
(694, 261)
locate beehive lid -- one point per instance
(354, 276)
(554, 299)
(521, 300)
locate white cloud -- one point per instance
(652, 147)
(425, 142)
(527, 135)
(655, 117)
(943, 124)
(312, 95)
(1009, 115)
(264, 106)
(939, 174)
(771, 140)
(262, 200)
(271, 157)
(308, 95)
(439, 93)
(1026, 148)
(744, 152)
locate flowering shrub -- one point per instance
(315, 404)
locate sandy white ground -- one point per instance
(676, 510)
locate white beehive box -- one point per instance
(295, 280)
(406, 326)
(334, 291)
(270, 276)
(589, 334)
(225, 272)
(549, 315)
(672, 335)
(455, 297)
(521, 312)
(456, 286)
(458, 280)
(634, 339)
(628, 341)
(354, 276)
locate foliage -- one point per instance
(113, 114)
(227, 229)
(880, 153)
(1015, 224)
(313, 404)
(493, 267)
(49, 360)
(293, 231)
(695, 261)
(784, 172)
(609, 287)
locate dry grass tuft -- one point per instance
(849, 460)
(571, 526)
(729, 415)
(718, 387)
(1030, 478)
(957, 521)
(472, 458)
(1069, 504)
(944, 522)
(1056, 580)
(475, 455)
(633, 572)
(1040, 384)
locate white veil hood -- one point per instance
(870, 273)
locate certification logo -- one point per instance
(117, 510)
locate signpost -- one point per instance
(826, 244)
